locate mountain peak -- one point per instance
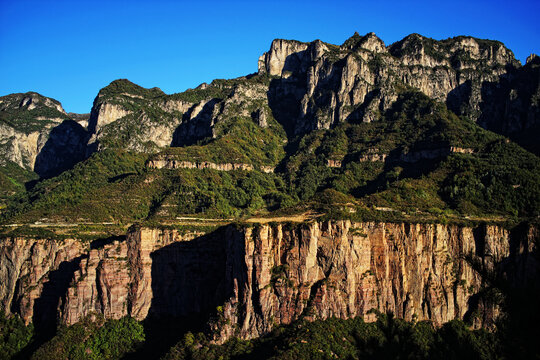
(370, 42)
(124, 86)
(352, 41)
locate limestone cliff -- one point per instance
(343, 269)
(37, 134)
(316, 85)
(35, 275)
(170, 162)
(362, 77)
(252, 278)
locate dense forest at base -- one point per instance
(386, 338)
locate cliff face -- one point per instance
(128, 116)
(361, 78)
(37, 134)
(251, 279)
(170, 162)
(35, 275)
(343, 269)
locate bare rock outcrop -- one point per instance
(278, 59)
(37, 134)
(172, 162)
(261, 276)
(343, 269)
(358, 80)
(35, 275)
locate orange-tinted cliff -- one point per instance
(252, 278)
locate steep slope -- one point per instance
(329, 84)
(419, 159)
(131, 117)
(37, 135)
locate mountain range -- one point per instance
(336, 180)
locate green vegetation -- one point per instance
(419, 173)
(14, 336)
(402, 163)
(115, 186)
(219, 193)
(239, 140)
(125, 87)
(19, 117)
(12, 179)
(76, 194)
(387, 338)
(94, 339)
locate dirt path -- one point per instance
(290, 218)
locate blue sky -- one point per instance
(68, 50)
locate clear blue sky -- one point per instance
(69, 50)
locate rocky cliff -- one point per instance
(252, 278)
(304, 86)
(361, 78)
(37, 134)
(36, 274)
(316, 85)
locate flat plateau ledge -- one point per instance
(172, 163)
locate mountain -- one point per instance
(38, 138)
(336, 181)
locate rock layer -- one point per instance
(35, 275)
(171, 162)
(254, 278)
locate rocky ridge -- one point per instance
(362, 77)
(304, 86)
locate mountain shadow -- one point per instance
(190, 279)
(196, 124)
(509, 106)
(46, 307)
(65, 147)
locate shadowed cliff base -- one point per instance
(189, 284)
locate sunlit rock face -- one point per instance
(37, 135)
(261, 276)
(326, 84)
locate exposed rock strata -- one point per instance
(415, 156)
(35, 274)
(22, 148)
(361, 78)
(268, 274)
(37, 135)
(170, 162)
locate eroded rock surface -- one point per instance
(252, 278)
